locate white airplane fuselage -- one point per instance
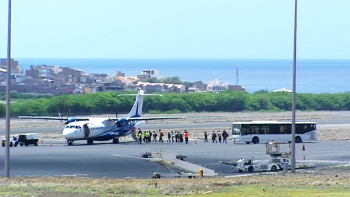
(96, 129)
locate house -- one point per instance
(146, 74)
(14, 68)
(236, 87)
(217, 86)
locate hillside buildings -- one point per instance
(56, 80)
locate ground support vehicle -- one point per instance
(172, 161)
(27, 139)
(175, 163)
(277, 162)
(12, 142)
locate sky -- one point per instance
(186, 29)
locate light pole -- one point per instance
(294, 86)
(7, 137)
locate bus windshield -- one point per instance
(236, 129)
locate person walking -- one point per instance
(154, 137)
(144, 137)
(172, 136)
(219, 136)
(140, 137)
(205, 137)
(186, 134)
(213, 137)
(148, 137)
(169, 137)
(224, 136)
(160, 136)
(181, 137)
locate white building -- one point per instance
(217, 86)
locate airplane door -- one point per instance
(86, 130)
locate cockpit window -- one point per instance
(67, 126)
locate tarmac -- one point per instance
(56, 159)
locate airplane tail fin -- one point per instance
(136, 110)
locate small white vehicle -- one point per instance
(275, 164)
(278, 160)
(12, 142)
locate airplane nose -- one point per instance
(67, 133)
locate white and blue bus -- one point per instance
(265, 131)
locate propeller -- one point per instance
(68, 120)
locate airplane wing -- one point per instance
(50, 118)
(67, 120)
(154, 118)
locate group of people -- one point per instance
(148, 136)
(179, 137)
(216, 136)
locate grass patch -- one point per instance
(323, 182)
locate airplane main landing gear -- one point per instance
(90, 141)
(116, 141)
(70, 142)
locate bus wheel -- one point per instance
(255, 140)
(298, 139)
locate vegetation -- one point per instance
(322, 182)
(229, 101)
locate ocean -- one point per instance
(313, 76)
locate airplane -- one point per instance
(104, 129)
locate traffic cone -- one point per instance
(303, 148)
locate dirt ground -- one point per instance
(325, 131)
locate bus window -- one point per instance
(236, 129)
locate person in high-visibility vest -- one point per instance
(148, 137)
(140, 137)
(186, 134)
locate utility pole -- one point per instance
(8, 84)
(294, 86)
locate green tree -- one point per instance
(172, 80)
(2, 110)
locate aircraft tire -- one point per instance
(116, 141)
(90, 141)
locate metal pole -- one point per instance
(294, 86)
(7, 147)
